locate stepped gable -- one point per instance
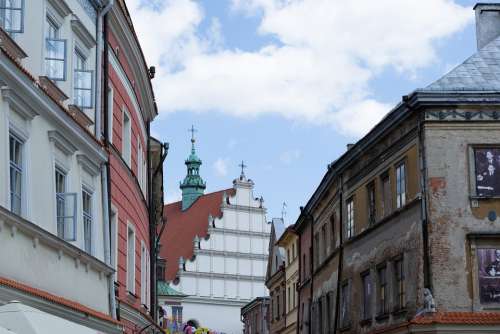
(183, 226)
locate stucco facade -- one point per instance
(404, 224)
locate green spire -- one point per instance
(193, 185)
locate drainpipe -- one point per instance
(99, 52)
(423, 211)
(102, 52)
(341, 256)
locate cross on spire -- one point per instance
(283, 211)
(193, 131)
(243, 166)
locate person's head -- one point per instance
(497, 253)
(491, 168)
(489, 155)
(191, 323)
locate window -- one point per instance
(303, 267)
(277, 307)
(177, 314)
(65, 208)
(284, 303)
(370, 189)
(11, 15)
(386, 194)
(294, 254)
(82, 82)
(316, 251)
(399, 280)
(16, 173)
(131, 260)
(110, 113)
(350, 218)
(332, 232)
(126, 139)
(323, 243)
(55, 52)
(382, 291)
(344, 304)
(288, 256)
(87, 220)
(114, 239)
(367, 295)
(143, 274)
(289, 299)
(400, 185)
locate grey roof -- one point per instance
(480, 72)
(279, 227)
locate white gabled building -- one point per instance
(216, 248)
(53, 226)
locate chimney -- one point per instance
(487, 23)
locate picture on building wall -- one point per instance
(489, 275)
(487, 162)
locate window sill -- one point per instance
(345, 327)
(382, 317)
(365, 322)
(400, 312)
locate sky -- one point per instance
(285, 85)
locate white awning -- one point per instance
(16, 317)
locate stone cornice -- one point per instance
(232, 254)
(83, 34)
(222, 230)
(17, 103)
(61, 142)
(235, 277)
(18, 224)
(87, 164)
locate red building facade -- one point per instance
(130, 108)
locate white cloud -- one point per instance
(288, 157)
(220, 166)
(319, 70)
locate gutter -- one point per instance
(341, 256)
(99, 69)
(102, 52)
(423, 211)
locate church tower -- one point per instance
(193, 185)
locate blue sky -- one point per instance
(227, 67)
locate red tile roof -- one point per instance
(464, 318)
(183, 226)
(57, 300)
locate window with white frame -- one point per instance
(82, 81)
(400, 185)
(55, 52)
(114, 239)
(126, 138)
(12, 16)
(143, 274)
(140, 165)
(87, 219)
(65, 208)
(350, 218)
(110, 113)
(16, 173)
(131, 259)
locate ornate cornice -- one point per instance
(462, 115)
(61, 142)
(17, 103)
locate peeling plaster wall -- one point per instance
(451, 217)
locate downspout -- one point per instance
(311, 272)
(152, 229)
(423, 211)
(102, 47)
(341, 256)
(99, 51)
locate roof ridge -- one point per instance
(208, 194)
